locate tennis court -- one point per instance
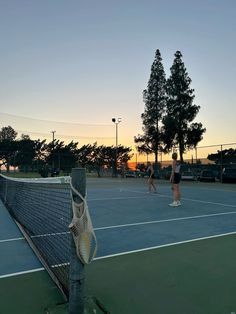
(153, 258)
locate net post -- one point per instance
(76, 275)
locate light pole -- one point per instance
(116, 121)
(53, 137)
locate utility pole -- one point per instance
(116, 121)
(53, 139)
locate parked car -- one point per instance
(198, 174)
(130, 174)
(188, 175)
(141, 174)
(229, 175)
(207, 176)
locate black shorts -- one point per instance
(177, 178)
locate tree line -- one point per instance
(169, 111)
(168, 124)
(51, 158)
(224, 157)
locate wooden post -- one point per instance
(76, 275)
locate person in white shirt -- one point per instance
(175, 180)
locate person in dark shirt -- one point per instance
(151, 177)
(175, 180)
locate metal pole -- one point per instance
(53, 139)
(116, 149)
(53, 132)
(221, 163)
(76, 275)
(116, 121)
(117, 134)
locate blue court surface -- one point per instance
(16, 254)
(127, 218)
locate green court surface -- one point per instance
(36, 293)
(29, 293)
(198, 278)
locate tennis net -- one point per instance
(42, 207)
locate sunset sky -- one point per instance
(81, 63)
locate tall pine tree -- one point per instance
(179, 128)
(154, 98)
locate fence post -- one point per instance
(221, 163)
(76, 274)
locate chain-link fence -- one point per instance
(215, 158)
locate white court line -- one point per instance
(141, 223)
(117, 198)
(50, 234)
(189, 199)
(209, 189)
(164, 220)
(129, 225)
(206, 202)
(22, 272)
(158, 195)
(165, 245)
(13, 239)
(37, 236)
(31, 271)
(128, 252)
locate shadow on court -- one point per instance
(197, 277)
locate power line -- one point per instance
(51, 121)
(64, 136)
